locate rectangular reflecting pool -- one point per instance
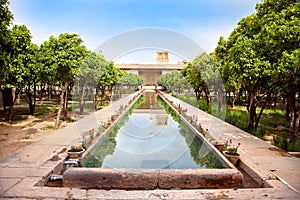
(152, 136)
(151, 146)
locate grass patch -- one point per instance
(28, 125)
(74, 105)
(48, 127)
(237, 117)
(188, 99)
(294, 146)
(18, 118)
(44, 108)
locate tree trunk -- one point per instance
(294, 113)
(31, 102)
(12, 98)
(9, 100)
(197, 93)
(102, 95)
(252, 107)
(232, 100)
(111, 93)
(49, 93)
(41, 94)
(61, 105)
(220, 99)
(275, 101)
(206, 92)
(240, 94)
(287, 108)
(28, 98)
(81, 101)
(34, 96)
(66, 99)
(261, 111)
(96, 98)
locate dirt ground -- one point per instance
(24, 129)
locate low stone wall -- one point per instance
(199, 178)
(97, 178)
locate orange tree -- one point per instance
(262, 55)
(62, 56)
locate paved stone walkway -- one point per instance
(21, 171)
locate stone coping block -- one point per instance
(200, 178)
(255, 171)
(97, 178)
(145, 179)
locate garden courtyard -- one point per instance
(22, 172)
(64, 107)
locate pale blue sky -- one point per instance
(204, 21)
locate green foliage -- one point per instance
(195, 73)
(15, 69)
(260, 132)
(204, 77)
(295, 146)
(203, 106)
(261, 56)
(90, 73)
(76, 148)
(200, 152)
(6, 18)
(237, 118)
(168, 109)
(48, 127)
(270, 121)
(129, 79)
(281, 142)
(62, 56)
(188, 99)
(219, 56)
(173, 80)
(5, 15)
(91, 70)
(110, 76)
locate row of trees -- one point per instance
(202, 73)
(260, 59)
(100, 75)
(173, 81)
(60, 61)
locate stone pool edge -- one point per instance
(97, 178)
(147, 179)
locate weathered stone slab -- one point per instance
(7, 183)
(94, 178)
(255, 171)
(26, 188)
(22, 172)
(97, 178)
(202, 178)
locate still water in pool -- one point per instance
(152, 136)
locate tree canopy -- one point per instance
(130, 79)
(5, 21)
(261, 57)
(173, 81)
(63, 56)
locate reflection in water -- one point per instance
(153, 136)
